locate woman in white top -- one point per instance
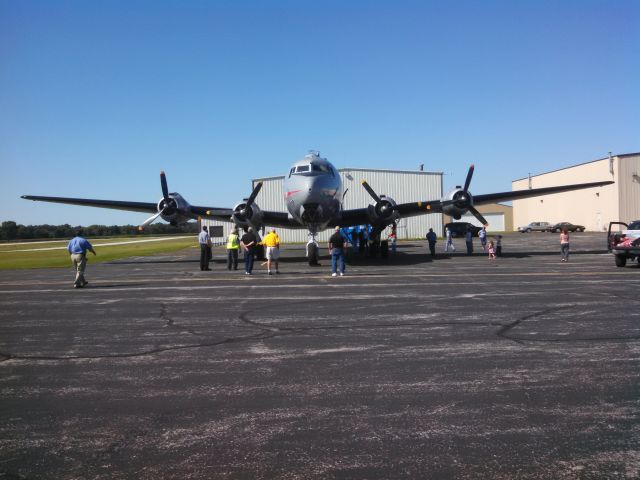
(564, 245)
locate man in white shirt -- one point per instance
(205, 249)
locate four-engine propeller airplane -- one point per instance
(313, 194)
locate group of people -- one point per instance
(249, 243)
(492, 247)
(79, 246)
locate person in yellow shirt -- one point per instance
(233, 245)
(272, 241)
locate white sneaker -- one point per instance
(334, 274)
(341, 274)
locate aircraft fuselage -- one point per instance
(313, 192)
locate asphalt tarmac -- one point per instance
(408, 367)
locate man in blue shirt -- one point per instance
(432, 238)
(77, 248)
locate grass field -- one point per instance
(54, 253)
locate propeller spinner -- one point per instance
(166, 203)
(462, 199)
(384, 206)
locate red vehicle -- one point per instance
(624, 241)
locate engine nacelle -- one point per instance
(247, 216)
(175, 211)
(457, 202)
(383, 212)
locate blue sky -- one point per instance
(97, 97)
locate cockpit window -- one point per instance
(315, 167)
(311, 167)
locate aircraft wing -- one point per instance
(192, 211)
(88, 202)
(361, 216)
(533, 192)
(269, 218)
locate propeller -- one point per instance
(254, 194)
(368, 188)
(166, 205)
(478, 215)
(383, 207)
(463, 199)
(150, 220)
(467, 182)
(165, 188)
(243, 210)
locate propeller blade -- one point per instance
(149, 220)
(478, 215)
(165, 188)
(467, 182)
(368, 188)
(254, 194)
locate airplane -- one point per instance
(314, 194)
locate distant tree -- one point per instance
(9, 230)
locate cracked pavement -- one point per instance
(407, 367)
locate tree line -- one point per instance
(11, 230)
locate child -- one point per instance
(492, 251)
(498, 239)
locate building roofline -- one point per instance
(419, 172)
(622, 155)
(343, 170)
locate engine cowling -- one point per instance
(457, 202)
(383, 212)
(174, 209)
(247, 215)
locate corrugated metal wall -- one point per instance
(402, 186)
(629, 187)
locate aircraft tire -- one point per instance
(313, 255)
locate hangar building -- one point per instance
(594, 207)
(402, 186)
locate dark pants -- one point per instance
(232, 258)
(432, 249)
(205, 256)
(499, 251)
(469, 248)
(248, 259)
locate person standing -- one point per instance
(498, 239)
(248, 243)
(492, 251)
(432, 238)
(233, 245)
(361, 241)
(77, 248)
(448, 240)
(393, 237)
(336, 248)
(482, 234)
(469, 241)
(272, 242)
(205, 249)
(564, 245)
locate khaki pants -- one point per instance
(79, 262)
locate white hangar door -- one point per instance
(495, 220)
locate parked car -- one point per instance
(459, 229)
(624, 241)
(558, 227)
(535, 227)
